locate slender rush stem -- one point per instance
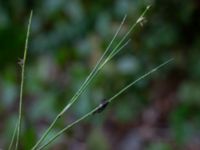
(117, 49)
(83, 86)
(13, 137)
(96, 69)
(109, 100)
(138, 79)
(131, 29)
(87, 81)
(22, 82)
(111, 55)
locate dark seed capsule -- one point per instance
(102, 107)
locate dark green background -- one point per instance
(162, 112)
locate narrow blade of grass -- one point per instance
(117, 48)
(13, 137)
(22, 82)
(130, 30)
(111, 55)
(96, 69)
(109, 100)
(87, 81)
(140, 78)
(83, 86)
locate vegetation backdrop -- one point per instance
(162, 112)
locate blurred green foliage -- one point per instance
(67, 38)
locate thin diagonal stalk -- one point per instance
(111, 55)
(83, 86)
(22, 81)
(104, 63)
(115, 49)
(88, 80)
(95, 68)
(109, 100)
(130, 30)
(13, 137)
(93, 75)
(138, 79)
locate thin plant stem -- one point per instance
(13, 137)
(87, 81)
(117, 49)
(111, 55)
(93, 73)
(82, 88)
(139, 79)
(22, 82)
(109, 100)
(131, 29)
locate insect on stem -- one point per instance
(102, 106)
(107, 55)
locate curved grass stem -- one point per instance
(103, 60)
(109, 100)
(83, 86)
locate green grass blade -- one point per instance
(111, 55)
(109, 100)
(140, 78)
(77, 94)
(96, 69)
(13, 137)
(22, 82)
(130, 30)
(83, 86)
(113, 52)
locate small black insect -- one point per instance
(102, 106)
